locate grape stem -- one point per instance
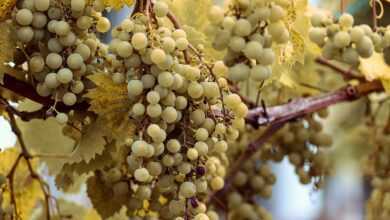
(347, 74)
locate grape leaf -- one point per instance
(121, 215)
(110, 101)
(375, 67)
(6, 8)
(118, 4)
(27, 192)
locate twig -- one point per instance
(374, 16)
(347, 74)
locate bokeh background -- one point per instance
(344, 193)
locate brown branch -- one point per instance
(347, 74)
(303, 106)
(374, 16)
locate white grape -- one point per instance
(216, 14)
(242, 28)
(103, 25)
(69, 99)
(139, 41)
(64, 75)
(118, 78)
(25, 34)
(141, 175)
(77, 5)
(53, 61)
(39, 20)
(239, 72)
(182, 43)
(36, 64)
(154, 111)
(41, 5)
(253, 50)
(84, 51)
(24, 17)
(169, 114)
(75, 61)
(187, 189)
(62, 118)
(342, 39)
(260, 73)
(62, 28)
(195, 90)
(135, 87)
(51, 81)
(77, 87)
(160, 9)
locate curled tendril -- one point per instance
(382, 10)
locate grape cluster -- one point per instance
(59, 43)
(184, 118)
(305, 144)
(248, 32)
(343, 41)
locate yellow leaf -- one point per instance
(118, 4)
(375, 67)
(111, 103)
(27, 192)
(6, 8)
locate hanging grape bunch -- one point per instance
(343, 41)
(248, 31)
(60, 43)
(183, 125)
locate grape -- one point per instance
(42, 90)
(75, 61)
(54, 45)
(54, 13)
(62, 118)
(139, 41)
(165, 79)
(232, 100)
(195, 90)
(77, 87)
(64, 75)
(239, 72)
(103, 25)
(160, 9)
(201, 216)
(127, 25)
(25, 34)
(77, 5)
(201, 134)
(153, 97)
(179, 33)
(69, 99)
(263, 13)
(346, 20)
(318, 35)
(216, 15)
(242, 28)
(62, 28)
(24, 17)
(124, 49)
(84, 51)
(41, 5)
(138, 109)
(241, 110)
(84, 22)
(253, 50)
(36, 64)
(39, 20)
(211, 89)
(51, 81)
(53, 61)
(158, 56)
(276, 29)
(350, 56)
(187, 189)
(317, 19)
(135, 87)
(221, 146)
(267, 57)
(141, 175)
(182, 43)
(201, 147)
(365, 47)
(342, 39)
(154, 111)
(277, 13)
(217, 183)
(168, 44)
(260, 73)
(169, 114)
(220, 69)
(181, 102)
(68, 40)
(192, 154)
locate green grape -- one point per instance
(135, 87)
(41, 5)
(68, 40)
(317, 35)
(165, 79)
(168, 44)
(75, 61)
(153, 97)
(182, 43)
(365, 47)
(317, 19)
(181, 102)
(217, 183)
(158, 56)
(216, 14)
(173, 146)
(36, 64)
(139, 41)
(64, 75)
(195, 90)
(142, 175)
(346, 20)
(103, 25)
(267, 57)
(77, 5)
(201, 216)
(169, 114)
(154, 111)
(342, 39)
(253, 50)
(277, 13)
(148, 81)
(350, 56)
(192, 154)
(211, 89)
(179, 33)
(242, 27)
(84, 22)
(62, 118)
(138, 109)
(62, 28)
(24, 17)
(263, 13)
(77, 87)
(69, 99)
(187, 189)
(53, 61)
(237, 44)
(260, 73)
(54, 45)
(239, 72)
(39, 20)
(357, 34)
(124, 49)
(160, 9)
(25, 34)
(51, 81)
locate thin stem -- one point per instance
(347, 74)
(374, 16)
